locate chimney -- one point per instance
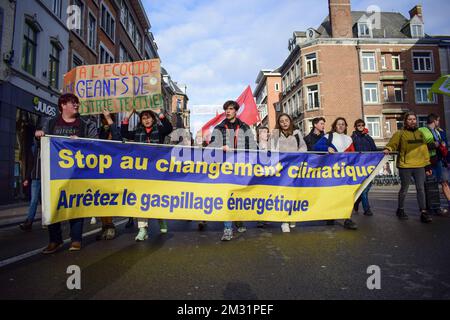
(416, 11)
(340, 18)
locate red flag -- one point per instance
(248, 113)
(208, 128)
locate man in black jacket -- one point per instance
(316, 133)
(232, 133)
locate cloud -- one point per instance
(217, 47)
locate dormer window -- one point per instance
(417, 31)
(363, 29)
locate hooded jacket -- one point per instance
(236, 135)
(412, 149)
(363, 142)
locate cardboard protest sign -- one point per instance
(119, 87)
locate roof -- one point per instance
(391, 22)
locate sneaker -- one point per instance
(52, 247)
(130, 223)
(227, 235)
(75, 246)
(285, 227)
(110, 233)
(424, 217)
(292, 225)
(201, 226)
(142, 235)
(101, 235)
(330, 222)
(368, 212)
(349, 224)
(93, 220)
(442, 212)
(401, 214)
(163, 226)
(26, 226)
(242, 229)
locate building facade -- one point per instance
(345, 68)
(34, 48)
(267, 97)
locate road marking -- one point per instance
(29, 254)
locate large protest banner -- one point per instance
(98, 178)
(119, 87)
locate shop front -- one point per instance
(21, 113)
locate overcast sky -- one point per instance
(217, 47)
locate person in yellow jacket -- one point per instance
(413, 161)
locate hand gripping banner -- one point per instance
(96, 178)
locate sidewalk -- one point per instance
(16, 213)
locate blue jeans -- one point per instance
(229, 224)
(364, 198)
(76, 231)
(35, 195)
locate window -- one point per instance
(81, 21)
(368, 61)
(417, 31)
(313, 97)
(29, 49)
(284, 84)
(277, 87)
(422, 91)
(56, 8)
(386, 94)
(53, 66)
(76, 61)
(398, 94)
(399, 125)
(396, 62)
(373, 125)
(105, 55)
(422, 121)
(107, 22)
(92, 32)
(383, 62)
(297, 70)
(422, 61)
(123, 55)
(363, 29)
(311, 64)
(371, 93)
(178, 105)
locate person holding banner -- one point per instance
(286, 139)
(108, 131)
(262, 137)
(232, 133)
(316, 133)
(148, 131)
(363, 142)
(413, 161)
(334, 141)
(69, 124)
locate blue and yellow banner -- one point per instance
(95, 178)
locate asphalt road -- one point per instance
(314, 261)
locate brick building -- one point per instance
(346, 68)
(267, 97)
